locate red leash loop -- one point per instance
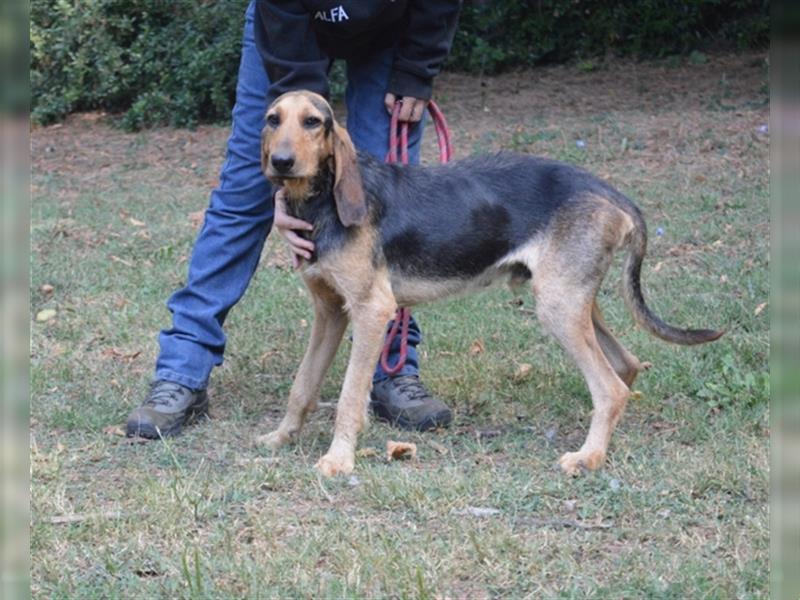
(403, 316)
(442, 132)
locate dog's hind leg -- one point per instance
(569, 320)
(370, 315)
(330, 322)
(565, 282)
(626, 365)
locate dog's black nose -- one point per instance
(282, 163)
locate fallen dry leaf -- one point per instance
(487, 433)
(136, 440)
(570, 506)
(398, 450)
(136, 222)
(116, 353)
(121, 260)
(78, 518)
(280, 260)
(366, 452)
(441, 449)
(478, 511)
(664, 427)
(197, 217)
(267, 355)
(522, 372)
(760, 308)
(242, 461)
(46, 314)
(114, 430)
(476, 347)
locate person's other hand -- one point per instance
(287, 226)
(411, 110)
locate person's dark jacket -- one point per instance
(297, 40)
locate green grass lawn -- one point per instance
(680, 509)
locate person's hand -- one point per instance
(301, 248)
(411, 110)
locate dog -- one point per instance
(392, 235)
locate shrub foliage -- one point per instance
(156, 62)
(497, 35)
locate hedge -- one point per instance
(153, 61)
(497, 35)
(157, 62)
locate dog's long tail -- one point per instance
(634, 298)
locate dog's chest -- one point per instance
(328, 235)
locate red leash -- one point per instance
(398, 139)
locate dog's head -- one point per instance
(299, 140)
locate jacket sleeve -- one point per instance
(424, 46)
(287, 45)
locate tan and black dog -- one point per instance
(389, 235)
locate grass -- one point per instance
(679, 511)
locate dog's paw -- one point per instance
(573, 462)
(336, 464)
(273, 440)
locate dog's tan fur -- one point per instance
(568, 262)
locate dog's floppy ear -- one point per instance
(264, 150)
(348, 190)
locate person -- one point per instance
(393, 49)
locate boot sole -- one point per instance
(434, 421)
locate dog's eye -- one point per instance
(273, 120)
(311, 122)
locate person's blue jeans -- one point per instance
(240, 213)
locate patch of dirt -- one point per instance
(88, 150)
(615, 86)
(641, 121)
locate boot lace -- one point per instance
(412, 389)
(164, 393)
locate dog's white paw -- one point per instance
(273, 440)
(573, 462)
(331, 464)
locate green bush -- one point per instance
(152, 61)
(496, 35)
(155, 62)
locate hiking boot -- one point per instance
(166, 410)
(404, 401)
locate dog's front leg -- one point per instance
(369, 319)
(330, 322)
